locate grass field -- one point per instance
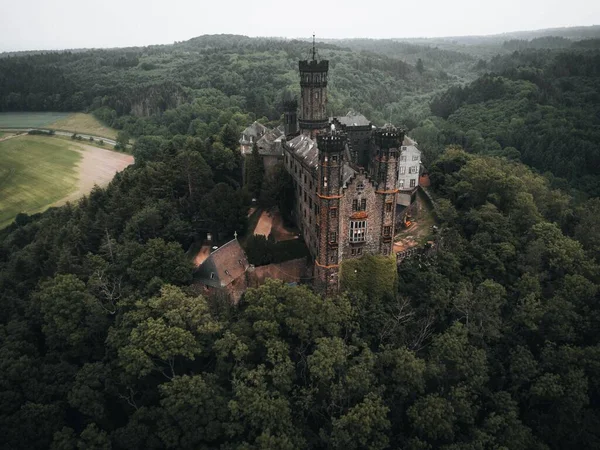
(75, 122)
(83, 123)
(30, 119)
(34, 173)
(40, 171)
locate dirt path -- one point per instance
(264, 225)
(10, 136)
(97, 167)
(202, 255)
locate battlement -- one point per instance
(388, 137)
(332, 142)
(313, 66)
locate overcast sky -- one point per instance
(58, 24)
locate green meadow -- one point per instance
(30, 119)
(35, 172)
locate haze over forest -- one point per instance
(67, 24)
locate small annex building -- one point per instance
(225, 271)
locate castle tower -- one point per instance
(313, 95)
(386, 143)
(329, 192)
(290, 112)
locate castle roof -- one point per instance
(223, 266)
(270, 143)
(306, 148)
(256, 130)
(352, 119)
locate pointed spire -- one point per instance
(314, 50)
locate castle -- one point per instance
(349, 176)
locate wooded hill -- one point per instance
(494, 343)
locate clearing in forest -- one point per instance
(30, 119)
(85, 124)
(72, 122)
(38, 172)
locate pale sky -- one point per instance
(59, 24)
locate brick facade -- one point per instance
(345, 175)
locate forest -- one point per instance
(105, 342)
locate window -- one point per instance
(333, 213)
(333, 237)
(334, 158)
(360, 187)
(412, 182)
(415, 157)
(359, 251)
(324, 181)
(304, 178)
(212, 275)
(309, 202)
(402, 170)
(332, 259)
(305, 196)
(403, 148)
(400, 184)
(387, 231)
(403, 158)
(359, 206)
(388, 207)
(227, 272)
(413, 169)
(311, 185)
(317, 94)
(358, 230)
(353, 252)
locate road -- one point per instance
(85, 137)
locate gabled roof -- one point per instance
(352, 119)
(270, 143)
(256, 130)
(224, 265)
(305, 148)
(409, 142)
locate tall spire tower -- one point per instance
(313, 94)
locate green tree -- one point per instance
(255, 172)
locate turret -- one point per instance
(331, 147)
(313, 94)
(290, 113)
(386, 143)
